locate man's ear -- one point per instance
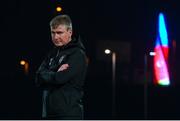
(70, 32)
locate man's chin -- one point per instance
(58, 45)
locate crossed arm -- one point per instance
(67, 71)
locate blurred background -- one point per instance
(128, 28)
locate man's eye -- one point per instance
(56, 32)
(59, 32)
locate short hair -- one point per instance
(61, 20)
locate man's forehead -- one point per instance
(59, 27)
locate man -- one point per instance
(61, 75)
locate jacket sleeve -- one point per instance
(42, 68)
(76, 62)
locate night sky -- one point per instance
(25, 34)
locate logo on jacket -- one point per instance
(61, 59)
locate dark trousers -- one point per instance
(64, 118)
(75, 113)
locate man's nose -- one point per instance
(55, 36)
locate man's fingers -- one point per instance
(63, 67)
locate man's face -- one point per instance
(61, 35)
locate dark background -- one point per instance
(129, 27)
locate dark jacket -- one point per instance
(63, 90)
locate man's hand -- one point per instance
(63, 67)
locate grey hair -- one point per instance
(61, 20)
